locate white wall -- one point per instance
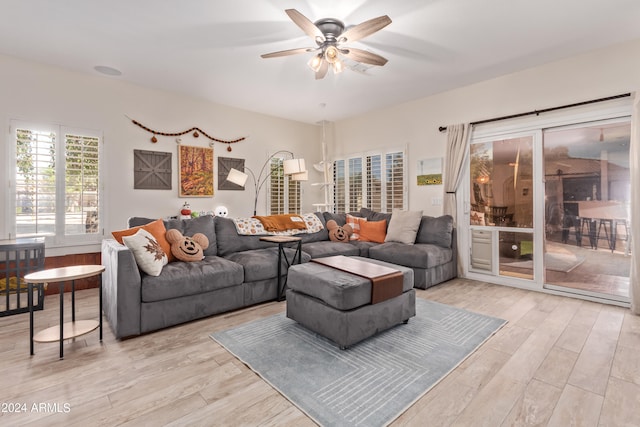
(39, 93)
(35, 92)
(594, 75)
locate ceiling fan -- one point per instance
(330, 36)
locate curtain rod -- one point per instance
(546, 110)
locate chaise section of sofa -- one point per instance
(433, 255)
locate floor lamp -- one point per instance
(294, 167)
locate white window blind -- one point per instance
(57, 191)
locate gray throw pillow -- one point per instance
(437, 231)
(403, 226)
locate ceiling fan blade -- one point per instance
(322, 71)
(363, 56)
(306, 25)
(287, 52)
(364, 29)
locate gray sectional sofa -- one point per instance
(240, 270)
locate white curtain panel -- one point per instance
(457, 144)
(457, 148)
(634, 157)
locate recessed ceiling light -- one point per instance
(109, 71)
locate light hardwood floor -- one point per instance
(558, 362)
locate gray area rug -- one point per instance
(371, 383)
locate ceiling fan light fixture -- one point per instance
(315, 62)
(338, 66)
(329, 34)
(331, 54)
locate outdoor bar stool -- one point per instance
(627, 237)
(610, 235)
(590, 223)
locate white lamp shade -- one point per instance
(301, 176)
(292, 166)
(237, 177)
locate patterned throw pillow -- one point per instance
(157, 230)
(313, 222)
(147, 252)
(355, 222)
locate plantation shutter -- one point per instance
(284, 194)
(339, 189)
(374, 182)
(394, 171)
(35, 182)
(355, 184)
(277, 203)
(81, 184)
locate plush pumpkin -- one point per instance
(187, 248)
(338, 233)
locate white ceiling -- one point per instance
(211, 48)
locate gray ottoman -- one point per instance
(337, 304)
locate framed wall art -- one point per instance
(430, 171)
(196, 171)
(225, 164)
(151, 170)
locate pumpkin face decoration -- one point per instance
(187, 248)
(338, 233)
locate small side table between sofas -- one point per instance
(71, 329)
(281, 241)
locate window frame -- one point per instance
(60, 238)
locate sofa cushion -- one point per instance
(363, 247)
(261, 264)
(403, 226)
(436, 231)
(180, 279)
(229, 241)
(419, 255)
(328, 248)
(375, 216)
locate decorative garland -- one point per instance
(195, 134)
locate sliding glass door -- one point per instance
(549, 208)
(502, 206)
(587, 200)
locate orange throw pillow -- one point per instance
(155, 228)
(373, 231)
